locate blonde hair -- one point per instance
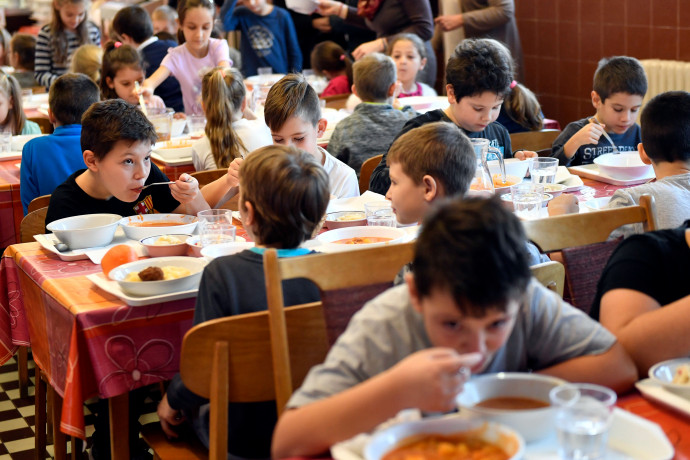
(15, 115)
(88, 59)
(222, 91)
(58, 40)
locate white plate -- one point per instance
(194, 265)
(656, 392)
(423, 104)
(7, 156)
(270, 78)
(19, 140)
(34, 101)
(176, 162)
(48, 241)
(592, 172)
(597, 204)
(113, 288)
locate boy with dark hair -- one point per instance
(48, 160)
(619, 86)
(116, 140)
(478, 76)
(283, 195)
(134, 27)
(293, 114)
(405, 348)
(373, 125)
(22, 51)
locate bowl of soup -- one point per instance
(166, 245)
(341, 219)
(162, 275)
(519, 400)
(85, 231)
(449, 437)
(145, 225)
(514, 167)
(623, 166)
(361, 237)
(174, 149)
(673, 375)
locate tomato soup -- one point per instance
(363, 240)
(437, 447)
(512, 403)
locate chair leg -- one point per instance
(23, 371)
(40, 417)
(59, 438)
(50, 403)
(77, 447)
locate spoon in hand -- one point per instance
(606, 135)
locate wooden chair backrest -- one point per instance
(34, 223)
(534, 140)
(206, 177)
(43, 123)
(555, 233)
(365, 172)
(39, 202)
(338, 101)
(551, 274)
(351, 270)
(229, 360)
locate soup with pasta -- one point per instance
(438, 447)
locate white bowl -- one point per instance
(178, 126)
(663, 373)
(514, 167)
(225, 249)
(623, 166)
(396, 235)
(167, 249)
(597, 204)
(532, 424)
(85, 231)
(150, 288)
(554, 189)
(512, 180)
(397, 435)
(17, 143)
(302, 6)
(174, 149)
(145, 225)
(546, 197)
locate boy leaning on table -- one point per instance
(283, 195)
(619, 86)
(470, 302)
(478, 75)
(116, 141)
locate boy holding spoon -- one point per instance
(619, 86)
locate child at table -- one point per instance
(409, 53)
(12, 118)
(57, 41)
(271, 37)
(196, 52)
(478, 78)
(406, 347)
(22, 51)
(329, 60)
(134, 28)
(116, 140)
(228, 134)
(619, 86)
(48, 160)
(374, 123)
(284, 194)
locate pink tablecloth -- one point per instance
(11, 212)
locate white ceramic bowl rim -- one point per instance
(671, 364)
(362, 231)
(59, 224)
(155, 237)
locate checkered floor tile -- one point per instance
(17, 418)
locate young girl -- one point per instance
(330, 60)
(228, 134)
(12, 118)
(521, 110)
(409, 53)
(88, 59)
(198, 51)
(58, 40)
(122, 66)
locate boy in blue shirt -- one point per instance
(268, 36)
(478, 77)
(619, 86)
(48, 160)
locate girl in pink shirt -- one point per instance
(330, 60)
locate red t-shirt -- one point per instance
(338, 85)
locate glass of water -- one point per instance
(215, 227)
(543, 170)
(379, 213)
(583, 418)
(527, 199)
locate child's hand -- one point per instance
(322, 24)
(449, 22)
(169, 417)
(329, 8)
(525, 154)
(374, 46)
(430, 379)
(233, 175)
(589, 134)
(563, 204)
(179, 116)
(185, 189)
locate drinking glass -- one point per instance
(197, 124)
(379, 213)
(162, 122)
(215, 227)
(5, 142)
(259, 95)
(264, 73)
(527, 199)
(583, 419)
(543, 170)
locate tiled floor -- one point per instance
(17, 416)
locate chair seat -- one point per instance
(184, 449)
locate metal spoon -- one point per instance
(606, 135)
(157, 183)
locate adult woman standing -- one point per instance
(387, 18)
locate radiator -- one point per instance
(665, 76)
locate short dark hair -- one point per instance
(25, 47)
(135, 22)
(107, 122)
(70, 96)
(289, 191)
(666, 127)
(474, 249)
(373, 76)
(440, 150)
(478, 65)
(619, 74)
(291, 96)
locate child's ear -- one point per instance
(321, 127)
(643, 155)
(431, 188)
(596, 100)
(392, 88)
(109, 82)
(51, 117)
(354, 90)
(90, 160)
(422, 63)
(248, 214)
(414, 293)
(450, 91)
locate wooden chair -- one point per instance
(550, 274)
(229, 360)
(38, 203)
(338, 101)
(346, 280)
(43, 123)
(365, 172)
(534, 140)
